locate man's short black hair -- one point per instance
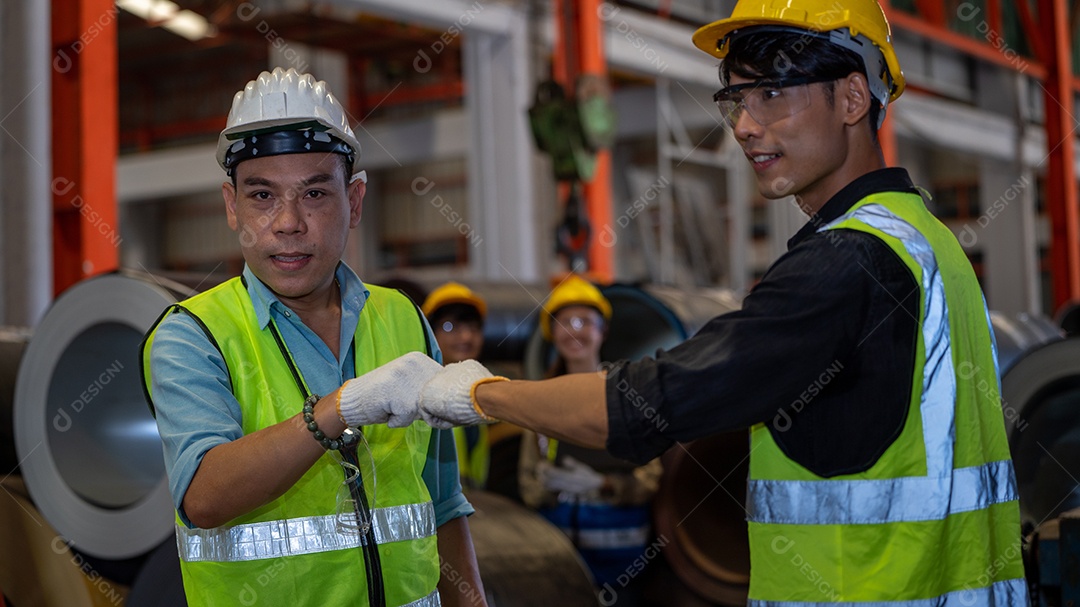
(455, 313)
(772, 54)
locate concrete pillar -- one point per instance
(1005, 232)
(25, 162)
(502, 196)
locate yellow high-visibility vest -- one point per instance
(935, 521)
(292, 551)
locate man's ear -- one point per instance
(228, 192)
(853, 97)
(357, 189)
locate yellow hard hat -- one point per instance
(574, 291)
(859, 17)
(453, 293)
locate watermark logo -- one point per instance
(968, 12)
(62, 420)
(635, 399)
(608, 594)
(989, 389)
(63, 62)
(464, 588)
(96, 580)
(423, 62)
(781, 545)
(607, 236)
(247, 11)
(825, 20)
(422, 185)
(968, 237)
(248, 235)
(971, 597)
(782, 421)
(248, 594)
(833, 237)
(61, 186)
(608, 12)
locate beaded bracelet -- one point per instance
(348, 438)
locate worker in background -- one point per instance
(457, 313)
(880, 472)
(599, 501)
(276, 501)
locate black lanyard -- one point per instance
(372, 563)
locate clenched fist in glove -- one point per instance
(448, 400)
(389, 394)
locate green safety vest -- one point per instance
(935, 521)
(291, 551)
(474, 463)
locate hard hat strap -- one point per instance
(877, 73)
(260, 144)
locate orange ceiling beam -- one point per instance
(965, 44)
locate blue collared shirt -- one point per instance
(196, 409)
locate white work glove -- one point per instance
(571, 477)
(389, 394)
(447, 399)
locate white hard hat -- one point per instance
(285, 112)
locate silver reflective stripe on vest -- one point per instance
(431, 600)
(307, 535)
(609, 539)
(942, 490)
(1006, 593)
(865, 502)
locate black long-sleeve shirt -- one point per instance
(823, 351)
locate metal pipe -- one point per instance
(89, 449)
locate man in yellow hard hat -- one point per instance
(456, 314)
(880, 472)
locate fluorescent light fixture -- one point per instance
(168, 15)
(190, 25)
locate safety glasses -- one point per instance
(577, 322)
(356, 494)
(767, 101)
(460, 326)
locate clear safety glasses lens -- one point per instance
(766, 101)
(461, 326)
(576, 323)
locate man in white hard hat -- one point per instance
(880, 472)
(279, 497)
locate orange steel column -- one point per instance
(1061, 187)
(887, 139)
(86, 234)
(579, 44)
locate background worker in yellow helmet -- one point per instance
(283, 496)
(600, 502)
(456, 314)
(880, 471)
